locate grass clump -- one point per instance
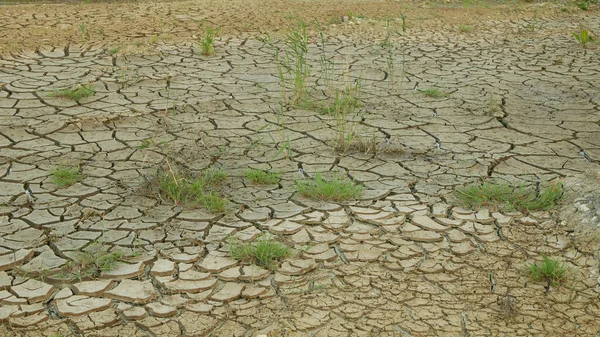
(184, 190)
(262, 177)
(336, 189)
(583, 37)
(551, 271)
(89, 263)
(465, 28)
(434, 93)
(264, 251)
(520, 198)
(66, 176)
(76, 94)
(208, 39)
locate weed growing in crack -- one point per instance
(465, 28)
(551, 271)
(390, 51)
(262, 177)
(88, 263)
(519, 198)
(66, 176)
(212, 201)
(76, 94)
(335, 189)
(184, 190)
(434, 93)
(583, 37)
(296, 61)
(403, 18)
(493, 106)
(283, 142)
(113, 51)
(84, 32)
(207, 40)
(264, 251)
(214, 176)
(347, 122)
(326, 65)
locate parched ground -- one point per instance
(522, 106)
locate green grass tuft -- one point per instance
(519, 198)
(549, 270)
(264, 252)
(434, 93)
(182, 190)
(89, 263)
(66, 176)
(75, 94)
(262, 177)
(336, 189)
(208, 39)
(465, 28)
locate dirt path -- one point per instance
(521, 105)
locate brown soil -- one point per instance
(136, 25)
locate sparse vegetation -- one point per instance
(264, 251)
(184, 190)
(113, 51)
(335, 189)
(262, 177)
(86, 264)
(465, 28)
(207, 40)
(296, 60)
(66, 176)
(76, 94)
(583, 37)
(434, 93)
(519, 198)
(551, 271)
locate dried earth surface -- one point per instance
(522, 106)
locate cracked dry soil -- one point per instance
(402, 260)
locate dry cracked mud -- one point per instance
(404, 259)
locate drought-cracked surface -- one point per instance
(403, 260)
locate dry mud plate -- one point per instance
(111, 254)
